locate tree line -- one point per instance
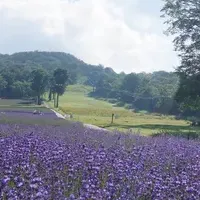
(22, 83)
(153, 92)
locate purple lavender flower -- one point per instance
(70, 162)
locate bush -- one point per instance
(113, 101)
(128, 106)
(143, 112)
(120, 104)
(188, 135)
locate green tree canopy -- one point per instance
(131, 83)
(39, 83)
(60, 80)
(183, 20)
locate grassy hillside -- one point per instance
(97, 112)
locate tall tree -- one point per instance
(39, 83)
(51, 87)
(131, 83)
(183, 20)
(93, 79)
(60, 78)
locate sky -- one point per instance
(126, 35)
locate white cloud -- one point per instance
(115, 33)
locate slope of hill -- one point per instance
(52, 60)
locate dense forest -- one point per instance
(20, 73)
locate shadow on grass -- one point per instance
(163, 129)
(188, 134)
(16, 102)
(30, 102)
(148, 126)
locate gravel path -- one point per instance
(90, 126)
(58, 114)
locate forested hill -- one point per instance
(153, 92)
(77, 69)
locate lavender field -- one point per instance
(66, 161)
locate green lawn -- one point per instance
(97, 112)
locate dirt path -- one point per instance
(90, 126)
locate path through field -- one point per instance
(90, 126)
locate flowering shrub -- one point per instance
(58, 162)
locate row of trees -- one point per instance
(23, 83)
(153, 92)
(58, 83)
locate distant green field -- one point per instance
(97, 112)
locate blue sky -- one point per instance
(126, 35)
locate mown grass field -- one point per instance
(98, 112)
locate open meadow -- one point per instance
(98, 112)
